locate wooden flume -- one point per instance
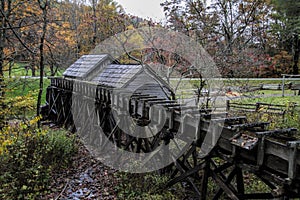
(271, 155)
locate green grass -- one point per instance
(291, 117)
(20, 86)
(250, 82)
(265, 97)
(236, 82)
(146, 186)
(18, 70)
(23, 87)
(21, 92)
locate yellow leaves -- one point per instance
(7, 143)
(41, 132)
(19, 130)
(268, 2)
(16, 106)
(4, 145)
(21, 102)
(7, 138)
(27, 134)
(61, 35)
(27, 8)
(35, 120)
(111, 7)
(53, 26)
(283, 60)
(284, 55)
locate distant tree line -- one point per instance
(247, 38)
(65, 29)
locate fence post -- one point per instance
(283, 116)
(257, 106)
(227, 105)
(282, 86)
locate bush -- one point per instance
(27, 156)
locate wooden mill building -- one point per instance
(103, 69)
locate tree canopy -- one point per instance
(246, 38)
(257, 38)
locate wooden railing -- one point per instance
(87, 89)
(262, 108)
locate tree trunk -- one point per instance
(44, 8)
(2, 42)
(1, 57)
(5, 8)
(296, 54)
(94, 2)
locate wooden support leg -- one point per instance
(189, 179)
(224, 186)
(240, 181)
(204, 181)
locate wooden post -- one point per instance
(227, 105)
(257, 106)
(292, 159)
(282, 86)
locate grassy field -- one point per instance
(19, 70)
(23, 90)
(25, 86)
(291, 118)
(270, 99)
(21, 84)
(193, 83)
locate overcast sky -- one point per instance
(144, 8)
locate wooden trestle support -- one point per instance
(271, 155)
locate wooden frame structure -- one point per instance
(271, 155)
(98, 94)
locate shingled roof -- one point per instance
(101, 69)
(86, 65)
(117, 75)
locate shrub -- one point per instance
(27, 156)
